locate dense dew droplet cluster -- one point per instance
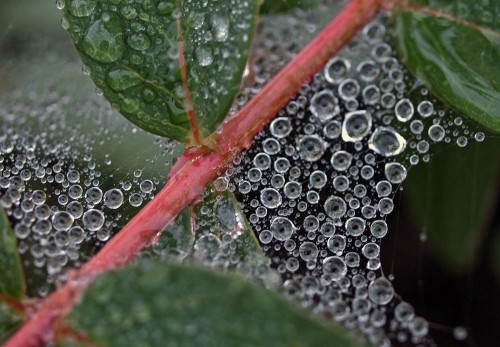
(59, 186)
(319, 181)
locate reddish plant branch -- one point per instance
(194, 170)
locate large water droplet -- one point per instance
(381, 291)
(310, 147)
(356, 125)
(282, 228)
(122, 79)
(104, 40)
(387, 142)
(324, 105)
(404, 110)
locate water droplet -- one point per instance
(317, 179)
(404, 110)
(349, 89)
(335, 267)
(93, 195)
(207, 247)
(387, 142)
(122, 79)
(355, 226)
(146, 186)
(292, 190)
(336, 244)
(380, 291)
(341, 160)
(113, 198)
(281, 127)
(356, 126)
(378, 229)
(395, 172)
(135, 199)
(308, 251)
(310, 147)
(220, 27)
(204, 55)
(93, 219)
(270, 198)
(425, 109)
(436, 132)
(332, 130)
(336, 70)
(324, 105)
(335, 207)
(62, 220)
(282, 228)
(104, 40)
(404, 312)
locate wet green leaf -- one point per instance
(226, 217)
(457, 61)
(452, 199)
(9, 321)
(277, 6)
(132, 50)
(11, 272)
(176, 241)
(158, 304)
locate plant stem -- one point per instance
(194, 170)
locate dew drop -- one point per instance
(113, 198)
(310, 147)
(356, 125)
(404, 110)
(104, 40)
(324, 105)
(93, 219)
(282, 228)
(395, 172)
(387, 142)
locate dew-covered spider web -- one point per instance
(319, 185)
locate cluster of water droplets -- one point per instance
(65, 182)
(319, 182)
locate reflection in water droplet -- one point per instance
(387, 142)
(356, 126)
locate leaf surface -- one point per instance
(157, 304)
(12, 282)
(138, 52)
(277, 6)
(219, 214)
(455, 53)
(452, 198)
(9, 321)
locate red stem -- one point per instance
(195, 169)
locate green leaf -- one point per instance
(158, 304)
(176, 241)
(452, 199)
(132, 51)
(12, 282)
(457, 61)
(228, 218)
(277, 6)
(9, 321)
(219, 213)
